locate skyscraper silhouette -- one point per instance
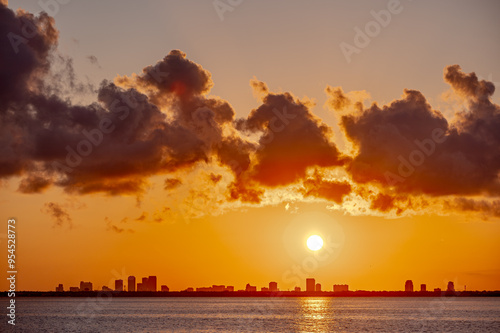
(131, 283)
(310, 284)
(409, 286)
(118, 285)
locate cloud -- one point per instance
(114, 228)
(58, 214)
(93, 60)
(292, 140)
(484, 207)
(162, 121)
(413, 148)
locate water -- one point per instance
(256, 315)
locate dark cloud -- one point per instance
(486, 208)
(413, 148)
(93, 60)
(292, 140)
(327, 189)
(172, 183)
(58, 214)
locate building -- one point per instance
(189, 289)
(297, 289)
(264, 289)
(152, 283)
(131, 283)
(218, 287)
(164, 288)
(318, 286)
(273, 286)
(451, 287)
(85, 286)
(106, 288)
(60, 288)
(140, 287)
(310, 284)
(409, 286)
(118, 285)
(250, 288)
(437, 290)
(74, 289)
(423, 287)
(340, 287)
(230, 288)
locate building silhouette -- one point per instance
(250, 288)
(85, 286)
(60, 288)
(152, 283)
(118, 285)
(310, 284)
(264, 289)
(451, 287)
(273, 286)
(340, 287)
(131, 283)
(318, 286)
(74, 289)
(409, 286)
(106, 288)
(423, 287)
(437, 290)
(230, 288)
(164, 288)
(297, 289)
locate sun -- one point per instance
(315, 243)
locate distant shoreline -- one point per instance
(252, 294)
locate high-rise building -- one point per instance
(340, 287)
(152, 283)
(423, 287)
(118, 285)
(164, 288)
(318, 286)
(85, 286)
(409, 286)
(310, 284)
(451, 287)
(141, 287)
(273, 286)
(60, 288)
(131, 283)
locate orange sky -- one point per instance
(214, 168)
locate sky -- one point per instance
(205, 141)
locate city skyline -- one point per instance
(310, 286)
(242, 146)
